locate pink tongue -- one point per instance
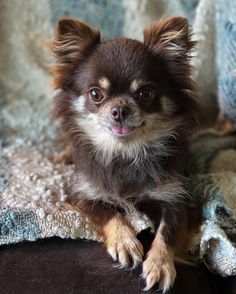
(121, 131)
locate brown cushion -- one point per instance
(79, 266)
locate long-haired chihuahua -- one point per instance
(128, 108)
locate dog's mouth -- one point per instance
(122, 131)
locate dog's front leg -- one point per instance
(159, 264)
(119, 237)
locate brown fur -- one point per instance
(145, 168)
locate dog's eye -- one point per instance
(145, 94)
(96, 95)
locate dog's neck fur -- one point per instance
(123, 175)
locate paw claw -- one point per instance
(123, 258)
(136, 264)
(112, 252)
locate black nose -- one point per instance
(120, 113)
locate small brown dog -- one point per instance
(128, 108)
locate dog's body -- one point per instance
(128, 107)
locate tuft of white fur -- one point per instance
(169, 192)
(78, 104)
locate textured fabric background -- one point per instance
(212, 169)
(34, 191)
(226, 58)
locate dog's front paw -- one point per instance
(122, 243)
(159, 268)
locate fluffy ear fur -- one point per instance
(171, 34)
(170, 40)
(73, 42)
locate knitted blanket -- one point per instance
(35, 192)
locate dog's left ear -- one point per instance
(169, 37)
(170, 40)
(171, 34)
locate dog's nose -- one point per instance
(120, 113)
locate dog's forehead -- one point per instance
(120, 61)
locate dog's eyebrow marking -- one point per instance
(104, 83)
(135, 84)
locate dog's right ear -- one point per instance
(74, 41)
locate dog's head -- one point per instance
(123, 95)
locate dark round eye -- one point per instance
(96, 95)
(145, 94)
